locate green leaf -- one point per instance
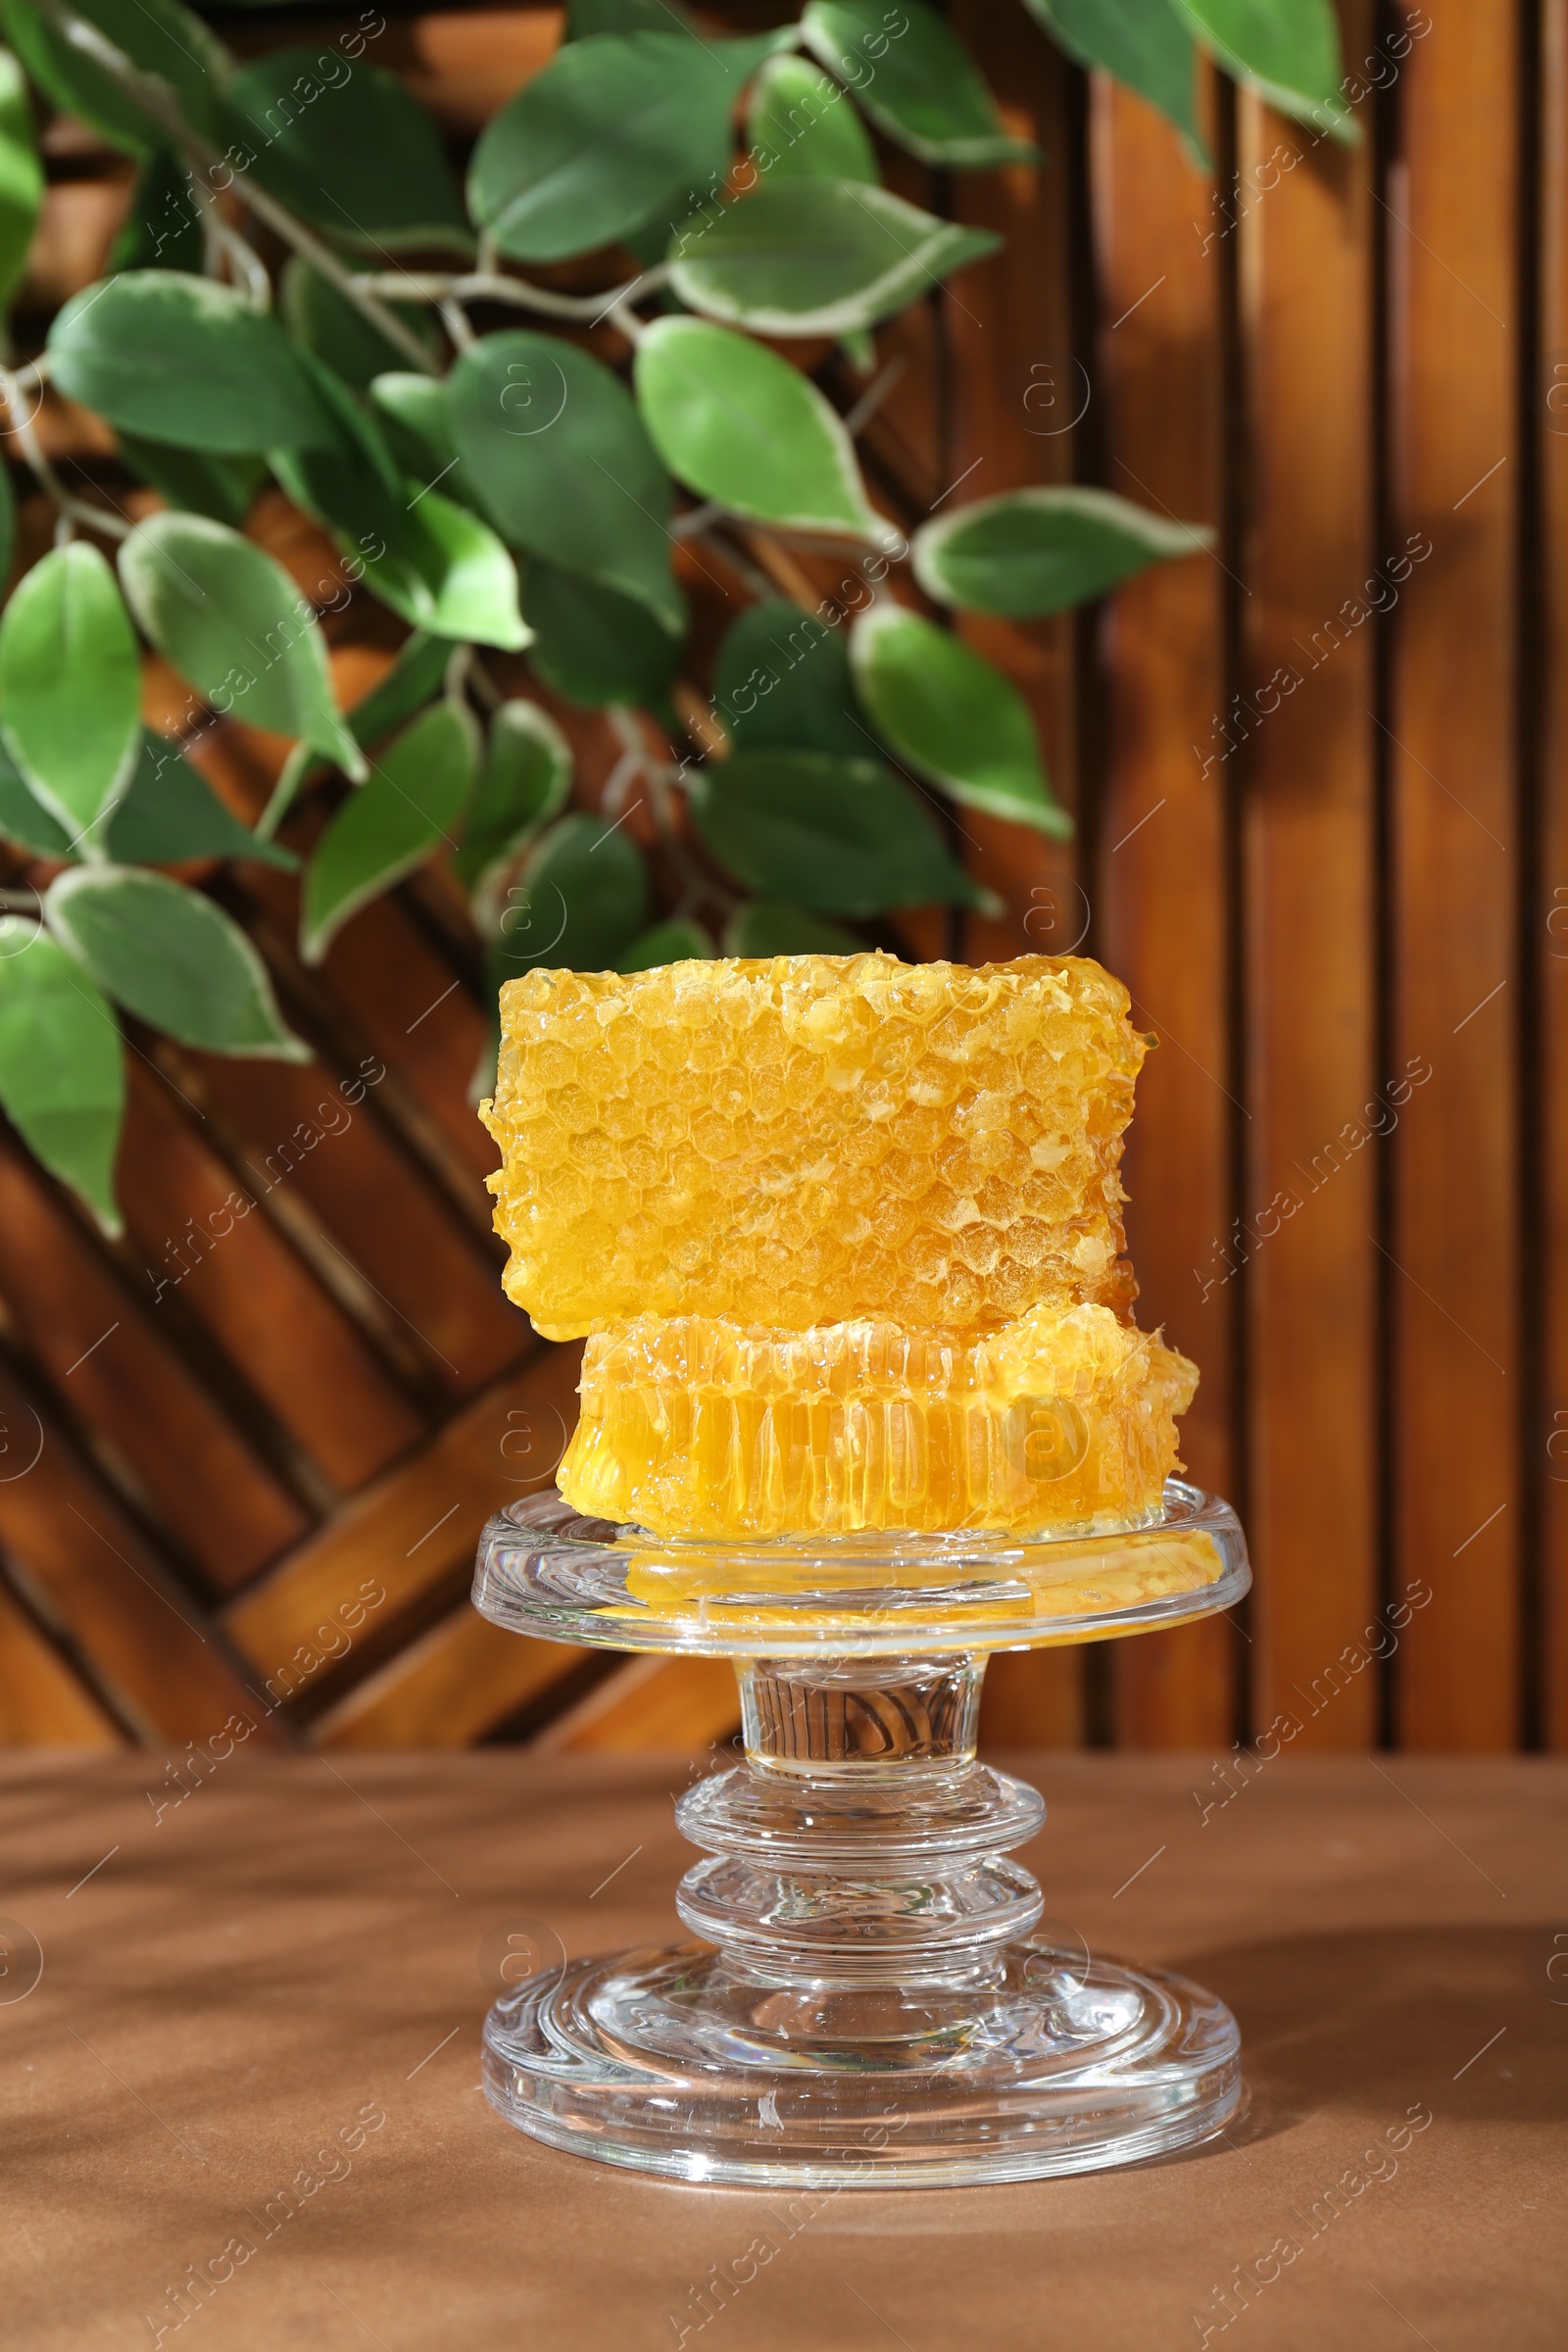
(1288, 49)
(463, 584)
(354, 487)
(648, 242)
(62, 1065)
(159, 36)
(798, 126)
(679, 940)
(819, 256)
(353, 346)
(415, 676)
(585, 18)
(954, 717)
(163, 228)
(594, 646)
(582, 899)
(416, 417)
(346, 149)
(526, 781)
(24, 818)
(184, 360)
(8, 526)
(1142, 43)
(234, 625)
(614, 127)
(838, 836)
(432, 560)
(170, 812)
(739, 424)
(1032, 552)
(21, 177)
(769, 927)
(224, 488)
(782, 678)
(417, 794)
(71, 686)
(565, 464)
(171, 957)
(920, 85)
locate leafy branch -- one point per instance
(157, 100)
(534, 516)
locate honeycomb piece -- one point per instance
(1058, 1423)
(813, 1139)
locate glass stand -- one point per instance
(866, 2003)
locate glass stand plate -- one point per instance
(867, 2003)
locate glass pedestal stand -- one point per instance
(868, 2005)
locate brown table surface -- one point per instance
(245, 1982)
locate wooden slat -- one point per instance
(667, 1703)
(248, 1289)
(89, 1569)
(467, 65)
(1548, 946)
(320, 1136)
(105, 1351)
(1019, 385)
(42, 1703)
(411, 1007)
(1309, 835)
(416, 1528)
(1457, 1371)
(1016, 390)
(1161, 901)
(448, 1689)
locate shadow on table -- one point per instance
(1369, 2019)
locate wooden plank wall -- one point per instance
(1321, 779)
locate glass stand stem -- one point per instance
(866, 2004)
(861, 1844)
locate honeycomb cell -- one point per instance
(753, 1134)
(1058, 1423)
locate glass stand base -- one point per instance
(668, 2062)
(871, 2000)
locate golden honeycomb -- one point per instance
(695, 1426)
(813, 1139)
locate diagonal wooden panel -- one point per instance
(448, 1688)
(106, 1352)
(1317, 1101)
(411, 1007)
(678, 1704)
(1457, 1371)
(416, 1528)
(87, 1568)
(42, 1703)
(1161, 901)
(234, 1273)
(315, 1133)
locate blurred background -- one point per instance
(1319, 779)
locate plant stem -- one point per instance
(157, 100)
(439, 286)
(78, 510)
(659, 777)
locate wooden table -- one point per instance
(253, 2052)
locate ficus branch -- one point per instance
(77, 510)
(637, 762)
(158, 102)
(439, 287)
